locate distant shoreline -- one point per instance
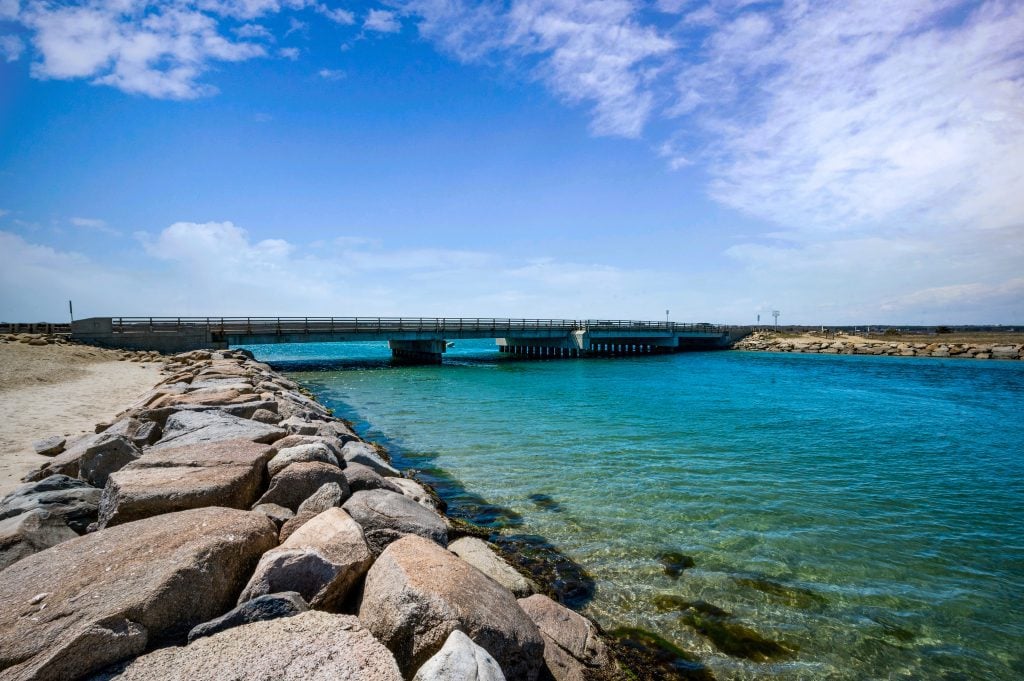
(938, 346)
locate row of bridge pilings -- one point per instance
(595, 350)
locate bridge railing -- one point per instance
(293, 325)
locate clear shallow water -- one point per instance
(864, 512)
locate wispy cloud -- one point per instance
(382, 21)
(331, 74)
(11, 48)
(337, 14)
(94, 224)
(594, 53)
(290, 53)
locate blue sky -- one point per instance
(843, 162)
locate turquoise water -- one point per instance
(864, 513)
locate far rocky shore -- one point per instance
(934, 346)
(227, 525)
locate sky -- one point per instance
(840, 161)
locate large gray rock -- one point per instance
(365, 454)
(259, 609)
(321, 560)
(460, 660)
(74, 501)
(316, 451)
(386, 516)
(224, 473)
(92, 458)
(28, 533)
(328, 496)
(311, 646)
(198, 427)
(297, 482)
(337, 430)
(481, 556)
(417, 492)
(140, 433)
(573, 649)
(361, 478)
(86, 603)
(279, 514)
(418, 593)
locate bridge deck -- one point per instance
(416, 337)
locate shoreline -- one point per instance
(841, 344)
(128, 480)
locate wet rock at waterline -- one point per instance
(387, 516)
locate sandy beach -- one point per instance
(59, 390)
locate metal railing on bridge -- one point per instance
(293, 325)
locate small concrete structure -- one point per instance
(412, 340)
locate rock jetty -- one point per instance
(228, 526)
(771, 342)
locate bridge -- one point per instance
(414, 340)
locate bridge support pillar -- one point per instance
(417, 351)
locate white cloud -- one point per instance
(827, 116)
(11, 48)
(291, 53)
(331, 74)
(9, 9)
(337, 14)
(253, 31)
(382, 21)
(155, 49)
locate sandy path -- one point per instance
(72, 392)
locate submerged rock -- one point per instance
(722, 629)
(674, 563)
(793, 596)
(650, 657)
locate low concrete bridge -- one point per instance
(412, 340)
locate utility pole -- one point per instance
(666, 316)
(776, 313)
(71, 311)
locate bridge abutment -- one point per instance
(417, 351)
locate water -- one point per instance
(864, 513)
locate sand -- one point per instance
(59, 390)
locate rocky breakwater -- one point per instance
(227, 526)
(771, 342)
